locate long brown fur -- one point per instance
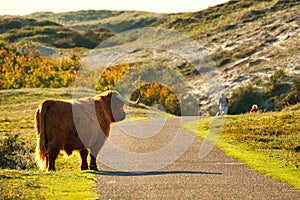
(40, 152)
(55, 128)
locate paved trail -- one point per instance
(216, 176)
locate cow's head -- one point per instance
(117, 104)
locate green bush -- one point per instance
(294, 96)
(14, 154)
(271, 95)
(243, 98)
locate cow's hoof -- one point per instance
(94, 167)
(84, 167)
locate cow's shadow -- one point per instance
(151, 173)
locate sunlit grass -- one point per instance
(64, 184)
(268, 143)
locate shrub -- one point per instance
(243, 98)
(155, 93)
(277, 88)
(278, 93)
(294, 96)
(30, 69)
(14, 154)
(278, 77)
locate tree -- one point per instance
(277, 88)
(294, 96)
(278, 77)
(172, 104)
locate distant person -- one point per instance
(254, 109)
(223, 105)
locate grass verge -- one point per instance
(269, 143)
(64, 184)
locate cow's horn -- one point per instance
(136, 103)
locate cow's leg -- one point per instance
(52, 155)
(47, 162)
(93, 163)
(83, 155)
(95, 149)
(93, 154)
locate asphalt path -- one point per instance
(156, 159)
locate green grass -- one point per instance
(63, 184)
(269, 143)
(52, 34)
(68, 182)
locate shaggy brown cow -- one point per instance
(80, 125)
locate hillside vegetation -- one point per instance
(50, 33)
(247, 40)
(117, 21)
(29, 69)
(72, 29)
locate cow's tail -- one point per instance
(41, 146)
